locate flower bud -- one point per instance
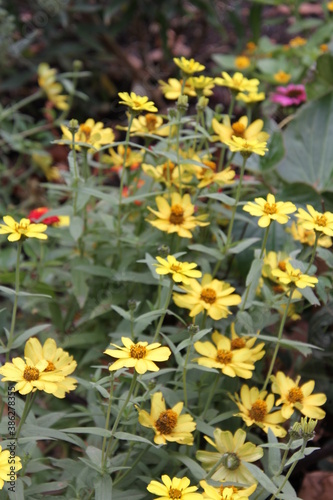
(163, 251)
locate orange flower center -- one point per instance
(151, 121)
(86, 130)
(22, 226)
(208, 295)
(223, 356)
(50, 367)
(270, 209)
(176, 268)
(238, 129)
(258, 410)
(282, 266)
(209, 164)
(234, 489)
(177, 214)
(295, 395)
(166, 422)
(138, 351)
(237, 344)
(30, 373)
(321, 220)
(175, 494)
(168, 165)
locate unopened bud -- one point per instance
(193, 329)
(132, 304)
(73, 126)
(182, 103)
(163, 251)
(202, 103)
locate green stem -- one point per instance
(189, 348)
(27, 407)
(210, 395)
(136, 461)
(17, 289)
(230, 110)
(167, 302)
(313, 252)
(234, 208)
(287, 476)
(277, 346)
(284, 459)
(15, 107)
(76, 172)
(123, 173)
(108, 414)
(214, 469)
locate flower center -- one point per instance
(258, 410)
(50, 367)
(321, 220)
(294, 274)
(295, 395)
(208, 295)
(30, 373)
(237, 344)
(22, 226)
(210, 164)
(294, 93)
(138, 351)
(151, 121)
(234, 489)
(86, 130)
(166, 422)
(238, 129)
(223, 356)
(176, 268)
(175, 494)
(270, 209)
(231, 461)
(168, 165)
(282, 266)
(177, 214)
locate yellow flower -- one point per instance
(274, 260)
(176, 489)
(329, 6)
(246, 146)
(292, 396)
(308, 236)
(209, 176)
(116, 158)
(202, 84)
(282, 77)
(226, 492)
(172, 89)
(240, 128)
(181, 272)
(255, 408)
(136, 102)
(237, 82)
(212, 296)
(231, 362)
(188, 66)
(91, 133)
(149, 124)
(321, 222)
(251, 46)
(298, 41)
(324, 47)
(140, 356)
(44, 162)
(292, 276)
(30, 376)
(168, 173)
(251, 97)
(47, 81)
(235, 452)
(242, 62)
(23, 229)
(59, 362)
(176, 217)
(9, 465)
(169, 425)
(256, 352)
(269, 210)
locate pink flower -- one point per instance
(291, 95)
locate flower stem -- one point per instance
(167, 302)
(130, 469)
(210, 395)
(214, 468)
(27, 407)
(20, 104)
(313, 252)
(108, 413)
(189, 348)
(288, 473)
(230, 110)
(122, 178)
(17, 289)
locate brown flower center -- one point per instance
(295, 395)
(138, 351)
(175, 494)
(86, 130)
(237, 344)
(223, 356)
(208, 295)
(168, 165)
(151, 121)
(50, 367)
(166, 422)
(282, 266)
(270, 209)
(258, 410)
(321, 220)
(30, 373)
(238, 129)
(23, 226)
(177, 214)
(176, 268)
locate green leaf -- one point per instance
(302, 347)
(274, 455)
(275, 152)
(325, 68)
(27, 334)
(213, 252)
(103, 487)
(242, 245)
(261, 477)
(221, 197)
(10, 291)
(76, 227)
(132, 437)
(196, 470)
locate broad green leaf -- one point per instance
(221, 197)
(274, 455)
(261, 477)
(103, 487)
(76, 227)
(132, 437)
(29, 333)
(242, 245)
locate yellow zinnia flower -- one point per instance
(169, 425)
(231, 362)
(139, 356)
(321, 222)
(251, 97)
(44, 162)
(136, 102)
(225, 130)
(9, 465)
(30, 376)
(202, 84)
(298, 41)
(237, 342)
(235, 452)
(59, 362)
(237, 82)
(292, 276)
(172, 88)
(168, 173)
(177, 217)
(246, 146)
(176, 489)
(210, 176)
(91, 133)
(282, 77)
(47, 81)
(116, 158)
(308, 236)
(226, 492)
(269, 210)
(242, 62)
(211, 295)
(181, 272)
(188, 66)
(255, 408)
(292, 396)
(148, 124)
(23, 229)
(329, 6)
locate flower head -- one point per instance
(225, 130)
(250, 97)
(282, 77)
(269, 210)
(188, 66)
(23, 229)
(295, 277)
(174, 489)
(292, 95)
(39, 213)
(9, 465)
(137, 103)
(139, 356)
(181, 272)
(317, 221)
(300, 397)
(255, 409)
(226, 492)
(237, 342)
(209, 175)
(247, 146)
(169, 425)
(237, 82)
(298, 41)
(47, 81)
(116, 158)
(94, 135)
(172, 89)
(235, 452)
(211, 295)
(168, 173)
(203, 85)
(149, 124)
(308, 236)
(176, 217)
(242, 62)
